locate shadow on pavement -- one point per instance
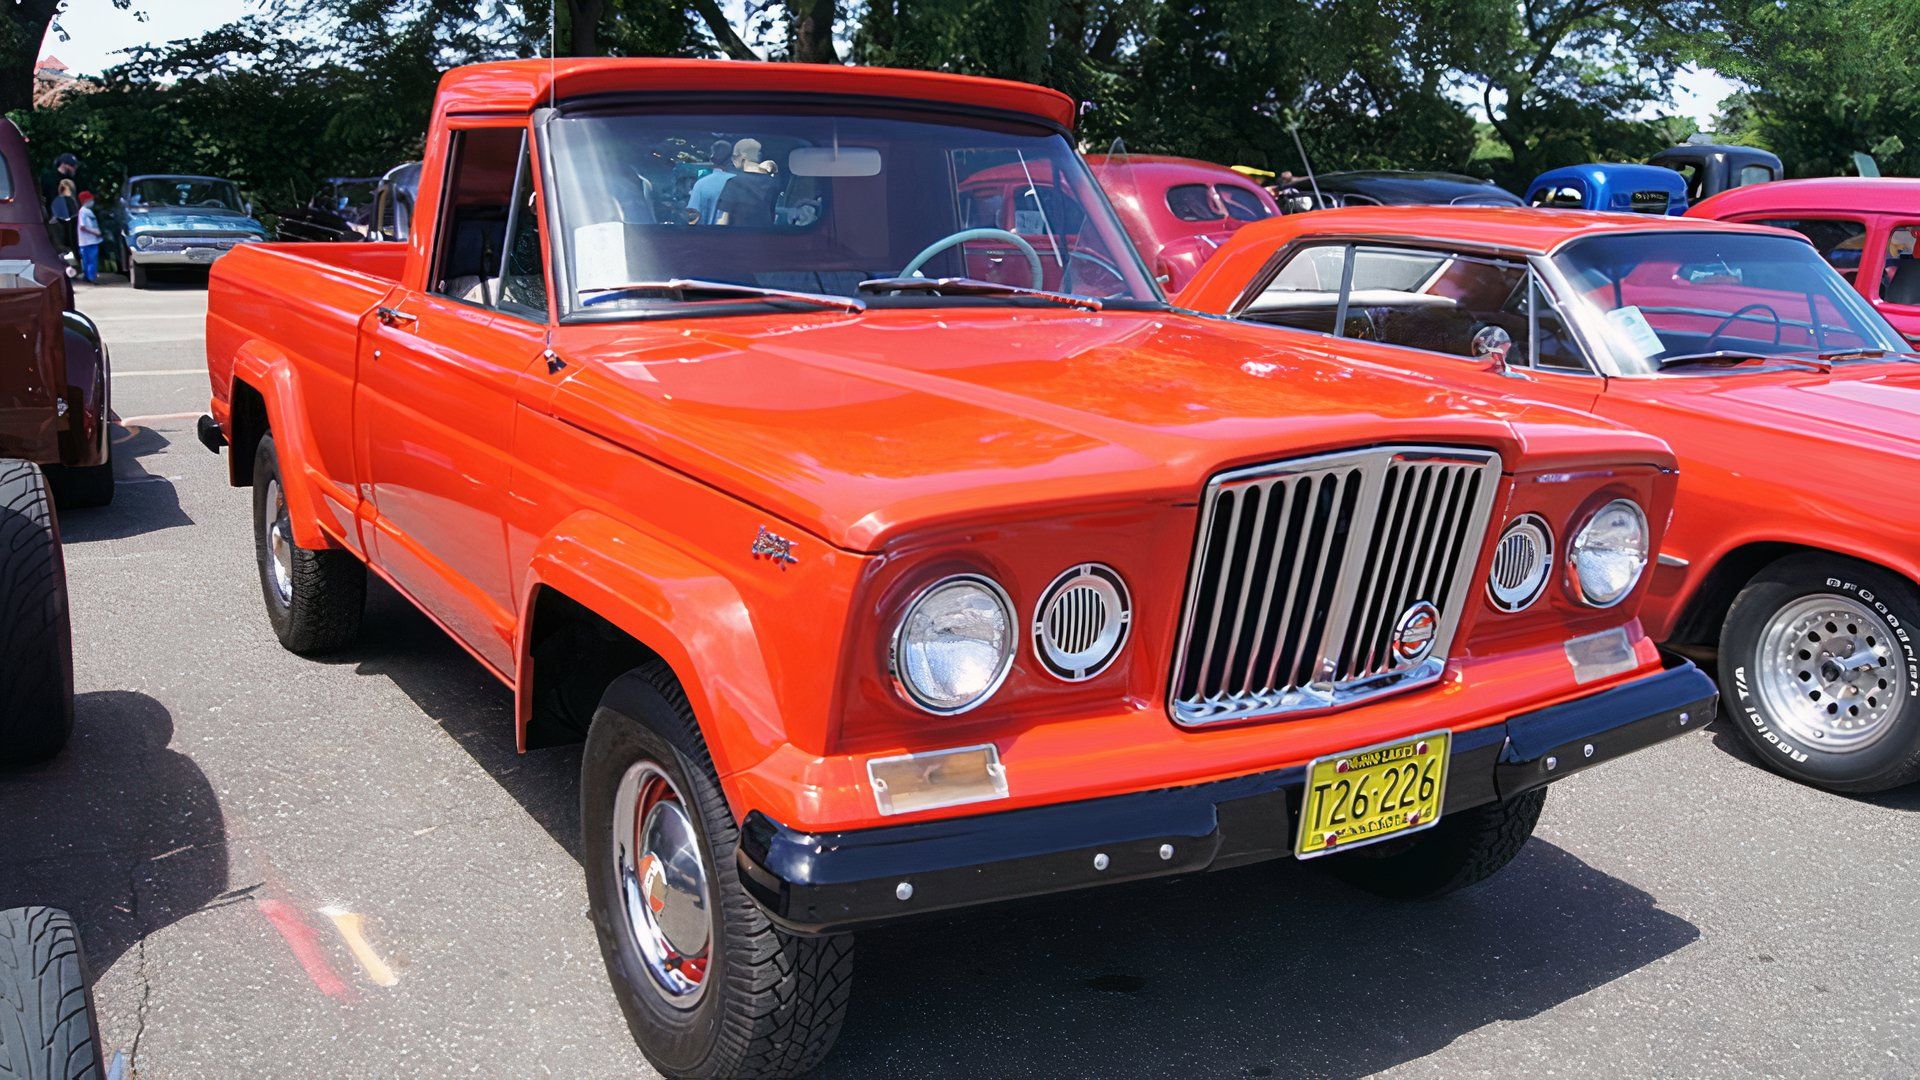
(1273, 970)
(399, 643)
(142, 501)
(1729, 740)
(122, 832)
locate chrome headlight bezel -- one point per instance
(897, 653)
(1525, 589)
(1584, 543)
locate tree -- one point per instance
(1564, 80)
(23, 29)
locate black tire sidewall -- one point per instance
(679, 1042)
(266, 468)
(38, 642)
(1892, 598)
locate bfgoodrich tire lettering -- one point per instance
(47, 1028)
(314, 598)
(1751, 651)
(36, 642)
(1466, 848)
(772, 1002)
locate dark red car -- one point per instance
(1178, 210)
(53, 365)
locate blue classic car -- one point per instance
(181, 221)
(1638, 189)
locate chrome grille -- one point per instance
(1303, 570)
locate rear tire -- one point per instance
(766, 1003)
(36, 638)
(1819, 672)
(1466, 848)
(47, 1026)
(314, 598)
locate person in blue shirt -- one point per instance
(705, 197)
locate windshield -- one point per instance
(1653, 298)
(818, 202)
(184, 191)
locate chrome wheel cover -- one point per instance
(1829, 673)
(277, 527)
(664, 897)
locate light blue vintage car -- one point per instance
(181, 221)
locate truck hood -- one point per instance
(862, 427)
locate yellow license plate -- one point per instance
(1374, 793)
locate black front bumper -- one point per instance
(826, 883)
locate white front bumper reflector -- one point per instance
(910, 782)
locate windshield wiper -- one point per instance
(696, 289)
(966, 286)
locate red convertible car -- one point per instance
(1864, 226)
(1788, 400)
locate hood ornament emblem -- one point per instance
(771, 545)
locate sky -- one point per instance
(96, 30)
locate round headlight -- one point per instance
(955, 645)
(143, 241)
(1609, 552)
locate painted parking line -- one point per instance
(164, 372)
(149, 421)
(305, 946)
(352, 930)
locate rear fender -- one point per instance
(682, 609)
(83, 439)
(267, 370)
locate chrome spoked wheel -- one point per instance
(277, 527)
(664, 893)
(1830, 673)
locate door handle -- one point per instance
(395, 317)
(996, 260)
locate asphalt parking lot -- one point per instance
(328, 869)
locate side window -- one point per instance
(1442, 302)
(1900, 282)
(1192, 202)
(6, 181)
(1563, 197)
(1754, 174)
(1241, 204)
(482, 166)
(1695, 177)
(983, 208)
(523, 282)
(1555, 347)
(1839, 241)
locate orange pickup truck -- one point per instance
(878, 589)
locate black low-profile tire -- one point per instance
(36, 638)
(314, 598)
(83, 487)
(47, 1026)
(658, 843)
(1465, 848)
(1819, 673)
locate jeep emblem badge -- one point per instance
(1414, 634)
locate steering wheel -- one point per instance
(965, 235)
(1116, 281)
(1735, 317)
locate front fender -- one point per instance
(89, 425)
(267, 370)
(1679, 589)
(680, 607)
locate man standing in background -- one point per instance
(704, 199)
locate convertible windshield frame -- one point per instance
(1144, 292)
(1591, 325)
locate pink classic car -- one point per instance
(1178, 210)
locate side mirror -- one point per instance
(1493, 343)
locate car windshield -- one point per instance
(818, 202)
(184, 191)
(1659, 299)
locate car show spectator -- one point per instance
(704, 199)
(61, 212)
(65, 167)
(90, 237)
(750, 194)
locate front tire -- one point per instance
(36, 638)
(1466, 848)
(83, 487)
(137, 274)
(709, 986)
(49, 1031)
(1818, 664)
(314, 598)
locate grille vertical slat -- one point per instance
(1304, 569)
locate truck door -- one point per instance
(437, 392)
